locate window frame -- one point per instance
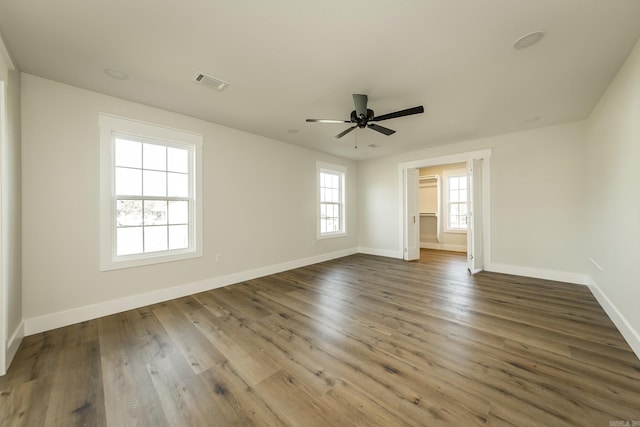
(447, 175)
(341, 172)
(113, 126)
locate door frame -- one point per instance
(443, 160)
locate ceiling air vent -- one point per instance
(211, 82)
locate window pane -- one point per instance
(462, 182)
(463, 196)
(155, 212)
(178, 185)
(129, 213)
(330, 190)
(178, 237)
(453, 183)
(129, 240)
(177, 160)
(155, 183)
(178, 212)
(155, 238)
(128, 153)
(128, 182)
(154, 157)
(453, 196)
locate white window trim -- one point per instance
(342, 171)
(110, 125)
(445, 177)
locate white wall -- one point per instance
(613, 184)
(259, 205)
(537, 200)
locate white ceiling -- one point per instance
(288, 60)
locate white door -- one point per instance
(411, 215)
(475, 257)
(3, 291)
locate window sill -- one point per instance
(331, 235)
(147, 259)
(456, 231)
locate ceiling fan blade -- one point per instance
(327, 121)
(360, 102)
(382, 129)
(343, 133)
(401, 113)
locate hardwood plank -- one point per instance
(360, 340)
(196, 349)
(135, 328)
(184, 398)
(251, 364)
(130, 396)
(78, 397)
(236, 401)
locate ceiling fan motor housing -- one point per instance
(361, 121)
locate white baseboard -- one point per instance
(628, 332)
(380, 252)
(443, 247)
(538, 273)
(50, 321)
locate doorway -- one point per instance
(454, 224)
(443, 207)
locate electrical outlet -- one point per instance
(218, 257)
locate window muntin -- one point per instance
(331, 197)
(150, 194)
(456, 204)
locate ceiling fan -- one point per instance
(362, 115)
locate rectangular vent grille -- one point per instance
(210, 82)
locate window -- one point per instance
(150, 193)
(331, 197)
(455, 200)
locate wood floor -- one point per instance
(361, 340)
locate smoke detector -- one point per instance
(210, 82)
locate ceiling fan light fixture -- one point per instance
(362, 115)
(528, 40)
